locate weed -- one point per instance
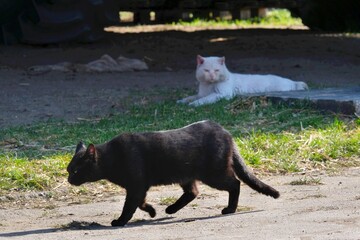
(244, 209)
(307, 181)
(194, 205)
(167, 201)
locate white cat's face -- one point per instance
(210, 69)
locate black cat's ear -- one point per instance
(199, 60)
(91, 151)
(80, 146)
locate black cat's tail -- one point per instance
(250, 179)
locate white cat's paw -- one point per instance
(181, 101)
(195, 104)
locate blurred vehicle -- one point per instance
(55, 21)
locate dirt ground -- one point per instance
(327, 211)
(330, 210)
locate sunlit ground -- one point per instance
(274, 19)
(166, 27)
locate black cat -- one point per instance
(202, 151)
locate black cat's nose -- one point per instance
(71, 180)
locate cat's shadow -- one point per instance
(173, 220)
(75, 225)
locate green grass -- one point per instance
(22, 174)
(273, 138)
(167, 201)
(311, 148)
(274, 18)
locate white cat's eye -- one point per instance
(217, 70)
(206, 70)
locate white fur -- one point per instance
(217, 82)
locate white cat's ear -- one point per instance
(222, 60)
(200, 60)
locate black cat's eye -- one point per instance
(73, 171)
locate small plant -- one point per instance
(167, 201)
(244, 209)
(307, 181)
(194, 205)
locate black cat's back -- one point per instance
(174, 156)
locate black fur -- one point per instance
(202, 151)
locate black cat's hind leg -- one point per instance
(190, 193)
(148, 208)
(234, 192)
(230, 184)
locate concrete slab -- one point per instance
(342, 100)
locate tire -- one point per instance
(9, 10)
(56, 21)
(330, 15)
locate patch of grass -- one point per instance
(194, 205)
(244, 208)
(274, 18)
(272, 137)
(21, 174)
(307, 181)
(167, 201)
(288, 151)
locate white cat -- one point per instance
(217, 82)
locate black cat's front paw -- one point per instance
(171, 209)
(228, 210)
(117, 223)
